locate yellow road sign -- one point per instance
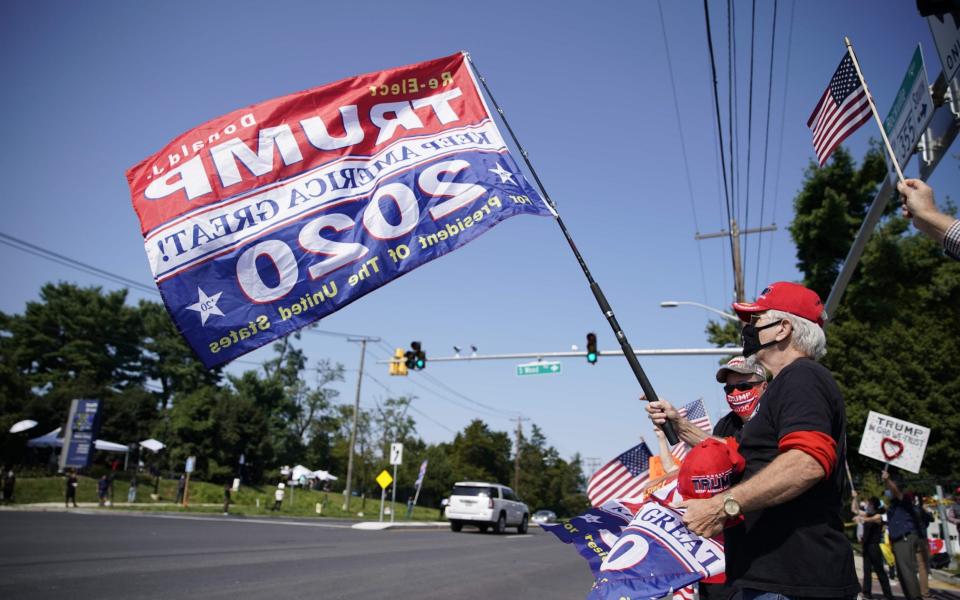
(384, 479)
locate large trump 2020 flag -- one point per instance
(266, 219)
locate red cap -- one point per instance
(788, 297)
(708, 469)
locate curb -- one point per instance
(945, 577)
(378, 526)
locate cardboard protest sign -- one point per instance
(894, 441)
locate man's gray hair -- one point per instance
(808, 337)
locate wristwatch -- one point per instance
(731, 507)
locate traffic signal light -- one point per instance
(592, 348)
(421, 356)
(415, 357)
(397, 366)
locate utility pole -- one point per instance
(356, 412)
(734, 234)
(516, 458)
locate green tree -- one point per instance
(891, 344)
(481, 454)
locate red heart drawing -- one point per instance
(896, 448)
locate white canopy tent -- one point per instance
(54, 439)
(153, 445)
(301, 471)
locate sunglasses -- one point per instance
(741, 387)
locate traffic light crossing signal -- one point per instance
(397, 366)
(592, 348)
(415, 358)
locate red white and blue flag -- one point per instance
(842, 109)
(264, 220)
(420, 475)
(622, 477)
(696, 413)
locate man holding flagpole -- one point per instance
(791, 541)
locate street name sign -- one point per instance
(538, 368)
(894, 441)
(911, 111)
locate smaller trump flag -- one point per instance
(266, 219)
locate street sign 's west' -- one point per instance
(911, 111)
(538, 368)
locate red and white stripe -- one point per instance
(831, 124)
(614, 481)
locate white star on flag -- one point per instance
(505, 175)
(591, 518)
(206, 306)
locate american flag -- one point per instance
(696, 414)
(622, 477)
(841, 110)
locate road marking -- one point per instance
(215, 519)
(519, 535)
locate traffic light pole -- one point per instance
(605, 308)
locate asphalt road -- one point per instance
(78, 555)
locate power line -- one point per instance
(733, 108)
(783, 113)
(46, 253)
(683, 148)
(439, 383)
(766, 145)
(753, 39)
(716, 103)
(484, 412)
(410, 406)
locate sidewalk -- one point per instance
(943, 585)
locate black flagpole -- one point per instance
(628, 352)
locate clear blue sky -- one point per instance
(92, 88)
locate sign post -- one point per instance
(384, 480)
(188, 468)
(539, 368)
(912, 110)
(894, 441)
(396, 458)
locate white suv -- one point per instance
(486, 505)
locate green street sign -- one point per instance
(538, 368)
(911, 111)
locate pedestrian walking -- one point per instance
(278, 497)
(181, 485)
(9, 483)
(103, 487)
(71, 491)
(904, 536)
(872, 520)
(791, 542)
(226, 498)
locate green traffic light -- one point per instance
(420, 363)
(591, 357)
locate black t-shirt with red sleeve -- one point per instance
(797, 548)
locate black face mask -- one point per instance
(751, 338)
